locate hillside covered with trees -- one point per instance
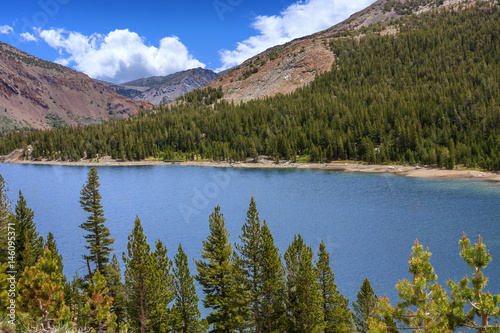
(426, 94)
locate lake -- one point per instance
(368, 221)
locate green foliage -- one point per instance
(29, 245)
(251, 255)
(186, 315)
(98, 305)
(42, 291)
(116, 290)
(424, 306)
(337, 315)
(471, 306)
(273, 312)
(140, 292)
(364, 306)
(305, 301)
(216, 275)
(98, 235)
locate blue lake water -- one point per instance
(368, 221)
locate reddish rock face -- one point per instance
(40, 94)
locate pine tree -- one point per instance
(304, 302)
(139, 263)
(50, 243)
(98, 305)
(116, 290)
(364, 306)
(338, 316)
(273, 312)
(423, 306)
(98, 235)
(42, 291)
(162, 283)
(216, 274)
(29, 245)
(472, 307)
(251, 262)
(187, 317)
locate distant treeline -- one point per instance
(428, 94)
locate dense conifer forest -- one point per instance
(427, 92)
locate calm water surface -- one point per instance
(368, 221)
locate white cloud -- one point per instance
(5, 29)
(28, 37)
(299, 19)
(119, 56)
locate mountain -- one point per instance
(284, 68)
(163, 89)
(35, 93)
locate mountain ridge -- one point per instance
(36, 93)
(164, 89)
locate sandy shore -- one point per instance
(410, 171)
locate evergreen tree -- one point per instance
(162, 283)
(273, 312)
(472, 307)
(29, 245)
(42, 291)
(74, 297)
(187, 318)
(338, 316)
(139, 264)
(98, 305)
(116, 290)
(50, 243)
(252, 261)
(423, 307)
(98, 235)
(364, 306)
(216, 275)
(304, 302)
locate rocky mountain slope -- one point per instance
(163, 89)
(35, 93)
(284, 68)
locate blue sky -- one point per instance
(119, 41)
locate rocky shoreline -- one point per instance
(264, 163)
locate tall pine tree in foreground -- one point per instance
(216, 275)
(273, 312)
(98, 236)
(366, 301)
(304, 302)
(139, 292)
(187, 317)
(472, 307)
(251, 260)
(29, 245)
(338, 316)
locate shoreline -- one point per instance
(400, 170)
